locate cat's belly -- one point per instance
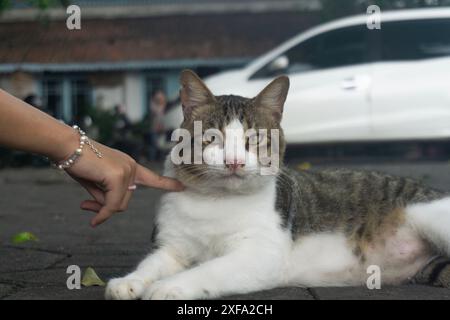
(400, 255)
(328, 259)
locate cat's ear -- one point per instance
(193, 92)
(273, 97)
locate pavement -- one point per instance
(45, 203)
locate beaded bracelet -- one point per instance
(84, 140)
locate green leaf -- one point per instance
(24, 237)
(90, 278)
(304, 166)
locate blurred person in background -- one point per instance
(122, 125)
(123, 138)
(155, 126)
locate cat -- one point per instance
(234, 230)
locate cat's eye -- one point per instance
(260, 137)
(255, 139)
(213, 137)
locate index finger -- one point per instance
(148, 178)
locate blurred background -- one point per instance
(356, 93)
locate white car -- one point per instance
(351, 83)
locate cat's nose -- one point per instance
(234, 165)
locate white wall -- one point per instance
(128, 92)
(134, 95)
(106, 97)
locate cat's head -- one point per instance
(230, 143)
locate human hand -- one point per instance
(110, 181)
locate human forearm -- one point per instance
(24, 127)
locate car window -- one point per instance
(414, 40)
(337, 48)
(343, 47)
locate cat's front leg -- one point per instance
(162, 263)
(244, 270)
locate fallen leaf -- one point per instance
(304, 166)
(90, 278)
(24, 237)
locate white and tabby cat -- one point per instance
(234, 230)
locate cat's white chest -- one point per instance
(214, 224)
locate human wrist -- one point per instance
(83, 143)
(65, 143)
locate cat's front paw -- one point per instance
(124, 289)
(168, 290)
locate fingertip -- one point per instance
(151, 179)
(95, 222)
(164, 183)
(173, 185)
(179, 187)
(101, 217)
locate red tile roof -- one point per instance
(231, 35)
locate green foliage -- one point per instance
(45, 4)
(42, 4)
(4, 4)
(39, 4)
(104, 120)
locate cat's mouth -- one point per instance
(234, 175)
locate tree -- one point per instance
(39, 4)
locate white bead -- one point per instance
(84, 139)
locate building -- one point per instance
(126, 50)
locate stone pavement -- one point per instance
(45, 203)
